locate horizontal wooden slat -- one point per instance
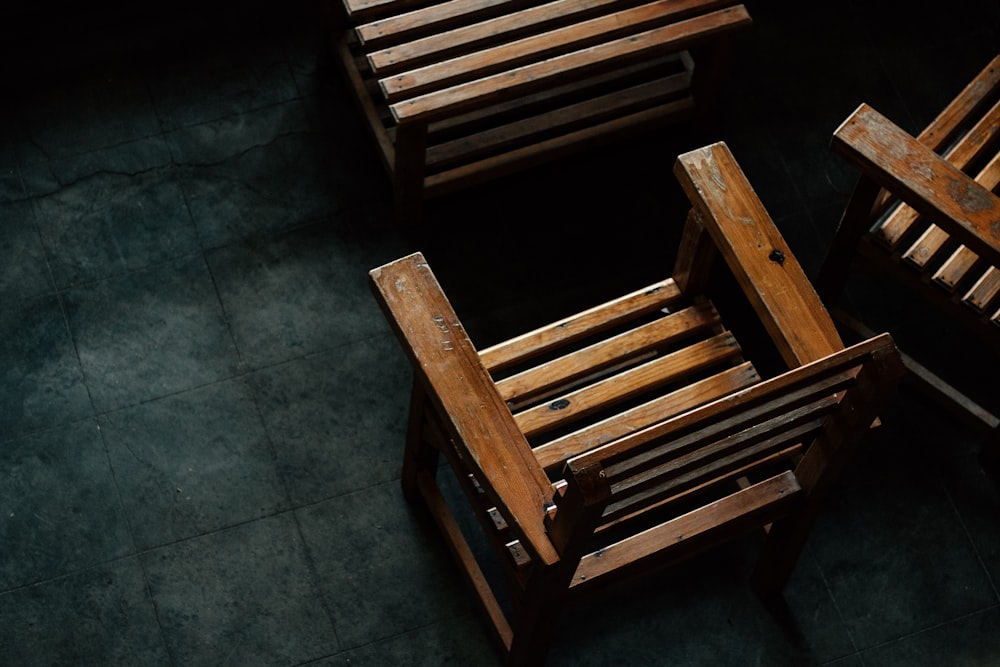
(551, 454)
(558, 147)
(436, 17)
(622, 386)
(511, 54)
(698, 529)
(566, 23)
(609, 351)
(983, 295)
(588, 322)
(555, 121)
(955, 269)
(660, 499)
(540, 74)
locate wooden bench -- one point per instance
(636, 433)
(456, 92)
(925, 214)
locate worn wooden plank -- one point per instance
(695, 531)
(758, 256)
(648, 299)
(899, 163)
(609, 351)
(580, 403)
(539, 74)
(446, 362)
(553, 25)
(553, 453)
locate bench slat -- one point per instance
(553, 25)
(538, 75)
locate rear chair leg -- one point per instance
(419, 455)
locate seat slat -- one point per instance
(511, 54)
(983, 295)
(553, 453)
(440, 16)
(553, 25)
(956, 269)
(578, 404)
(588, 322)
(610, 351)
(465, 38)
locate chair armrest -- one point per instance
(896, 161)
(758, 256)
(448, 366)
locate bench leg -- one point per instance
(409, 165)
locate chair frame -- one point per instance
(718, 457)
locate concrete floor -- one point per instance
(202, 408)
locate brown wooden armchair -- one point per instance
(636, 433)
(925, 214)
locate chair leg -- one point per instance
(535, 619)
(419, 454)
(989, 455)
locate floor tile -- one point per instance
(41, 383)
(303, 292)
(337, 419)
(458, 640)
(150, 333)
(970, 641)
(99, 616)
(212, 81)
(265, 190)
(24, 271)
(376, 569)
(127, 159)
(111, 224)
(892, 549)
(93, 108)
(60, 506)
(210, 466)
(218, 140)
(256, 602)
